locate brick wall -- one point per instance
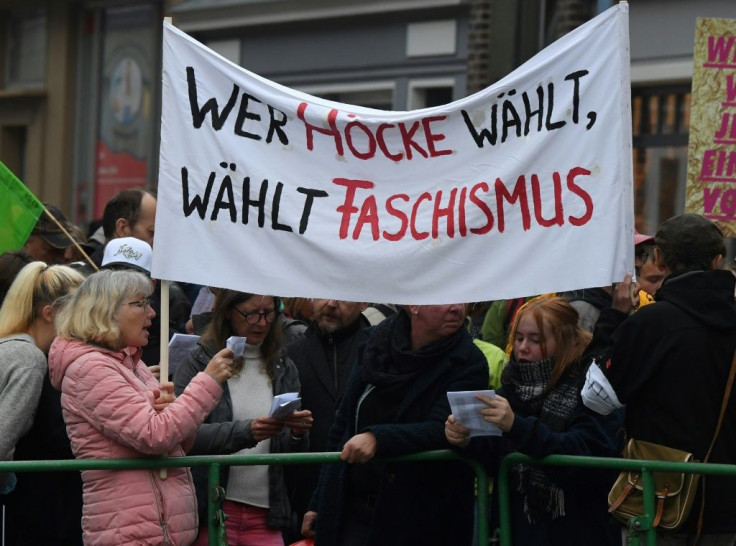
(568, 15)
(479, 37)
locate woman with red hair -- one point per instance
(540, 412)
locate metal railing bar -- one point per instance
(641, 524)
(216, 461)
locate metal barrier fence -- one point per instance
(638, 525)
(215, 462)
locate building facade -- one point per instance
(79, 92)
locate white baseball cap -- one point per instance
(128, 253)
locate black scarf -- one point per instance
(388, 359)
(527, 387)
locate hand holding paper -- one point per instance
(263, 428)
(466, 408)
(282, 412)
(457, 434)
(237, 344)
(299, 422)
(498, 411)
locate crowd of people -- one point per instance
(79, 378)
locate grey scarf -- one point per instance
(527, 387)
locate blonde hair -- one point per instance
(562, 321)
(36, 286)
(89, 315)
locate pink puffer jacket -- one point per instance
(107, 400)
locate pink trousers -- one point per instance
(245, 526)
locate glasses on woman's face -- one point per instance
(254, 317)
(141, 304)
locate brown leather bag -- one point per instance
(674, 491)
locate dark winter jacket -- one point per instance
(429, 503)
(324, 362)
(669, 366)
(179, 308)
(586, 520)
(220, 435)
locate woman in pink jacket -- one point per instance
(114, 408)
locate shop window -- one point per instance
(661, 122)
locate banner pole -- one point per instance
(164, 359)
(72, 239)
(164, 345)
(164, 337)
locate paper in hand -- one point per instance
(180, 347)
(237, 344)
(466, 408)
(284, 404)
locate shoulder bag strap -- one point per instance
(724, 404)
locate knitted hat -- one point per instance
(128, 253)
(690, 240)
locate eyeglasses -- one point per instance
(143, 304)
(255, 316)
(642, 254)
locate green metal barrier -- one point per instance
(215, 462)
(637, 526)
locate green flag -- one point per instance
(19, 211)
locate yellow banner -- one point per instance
(711, 175)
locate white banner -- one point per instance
(523, 188)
